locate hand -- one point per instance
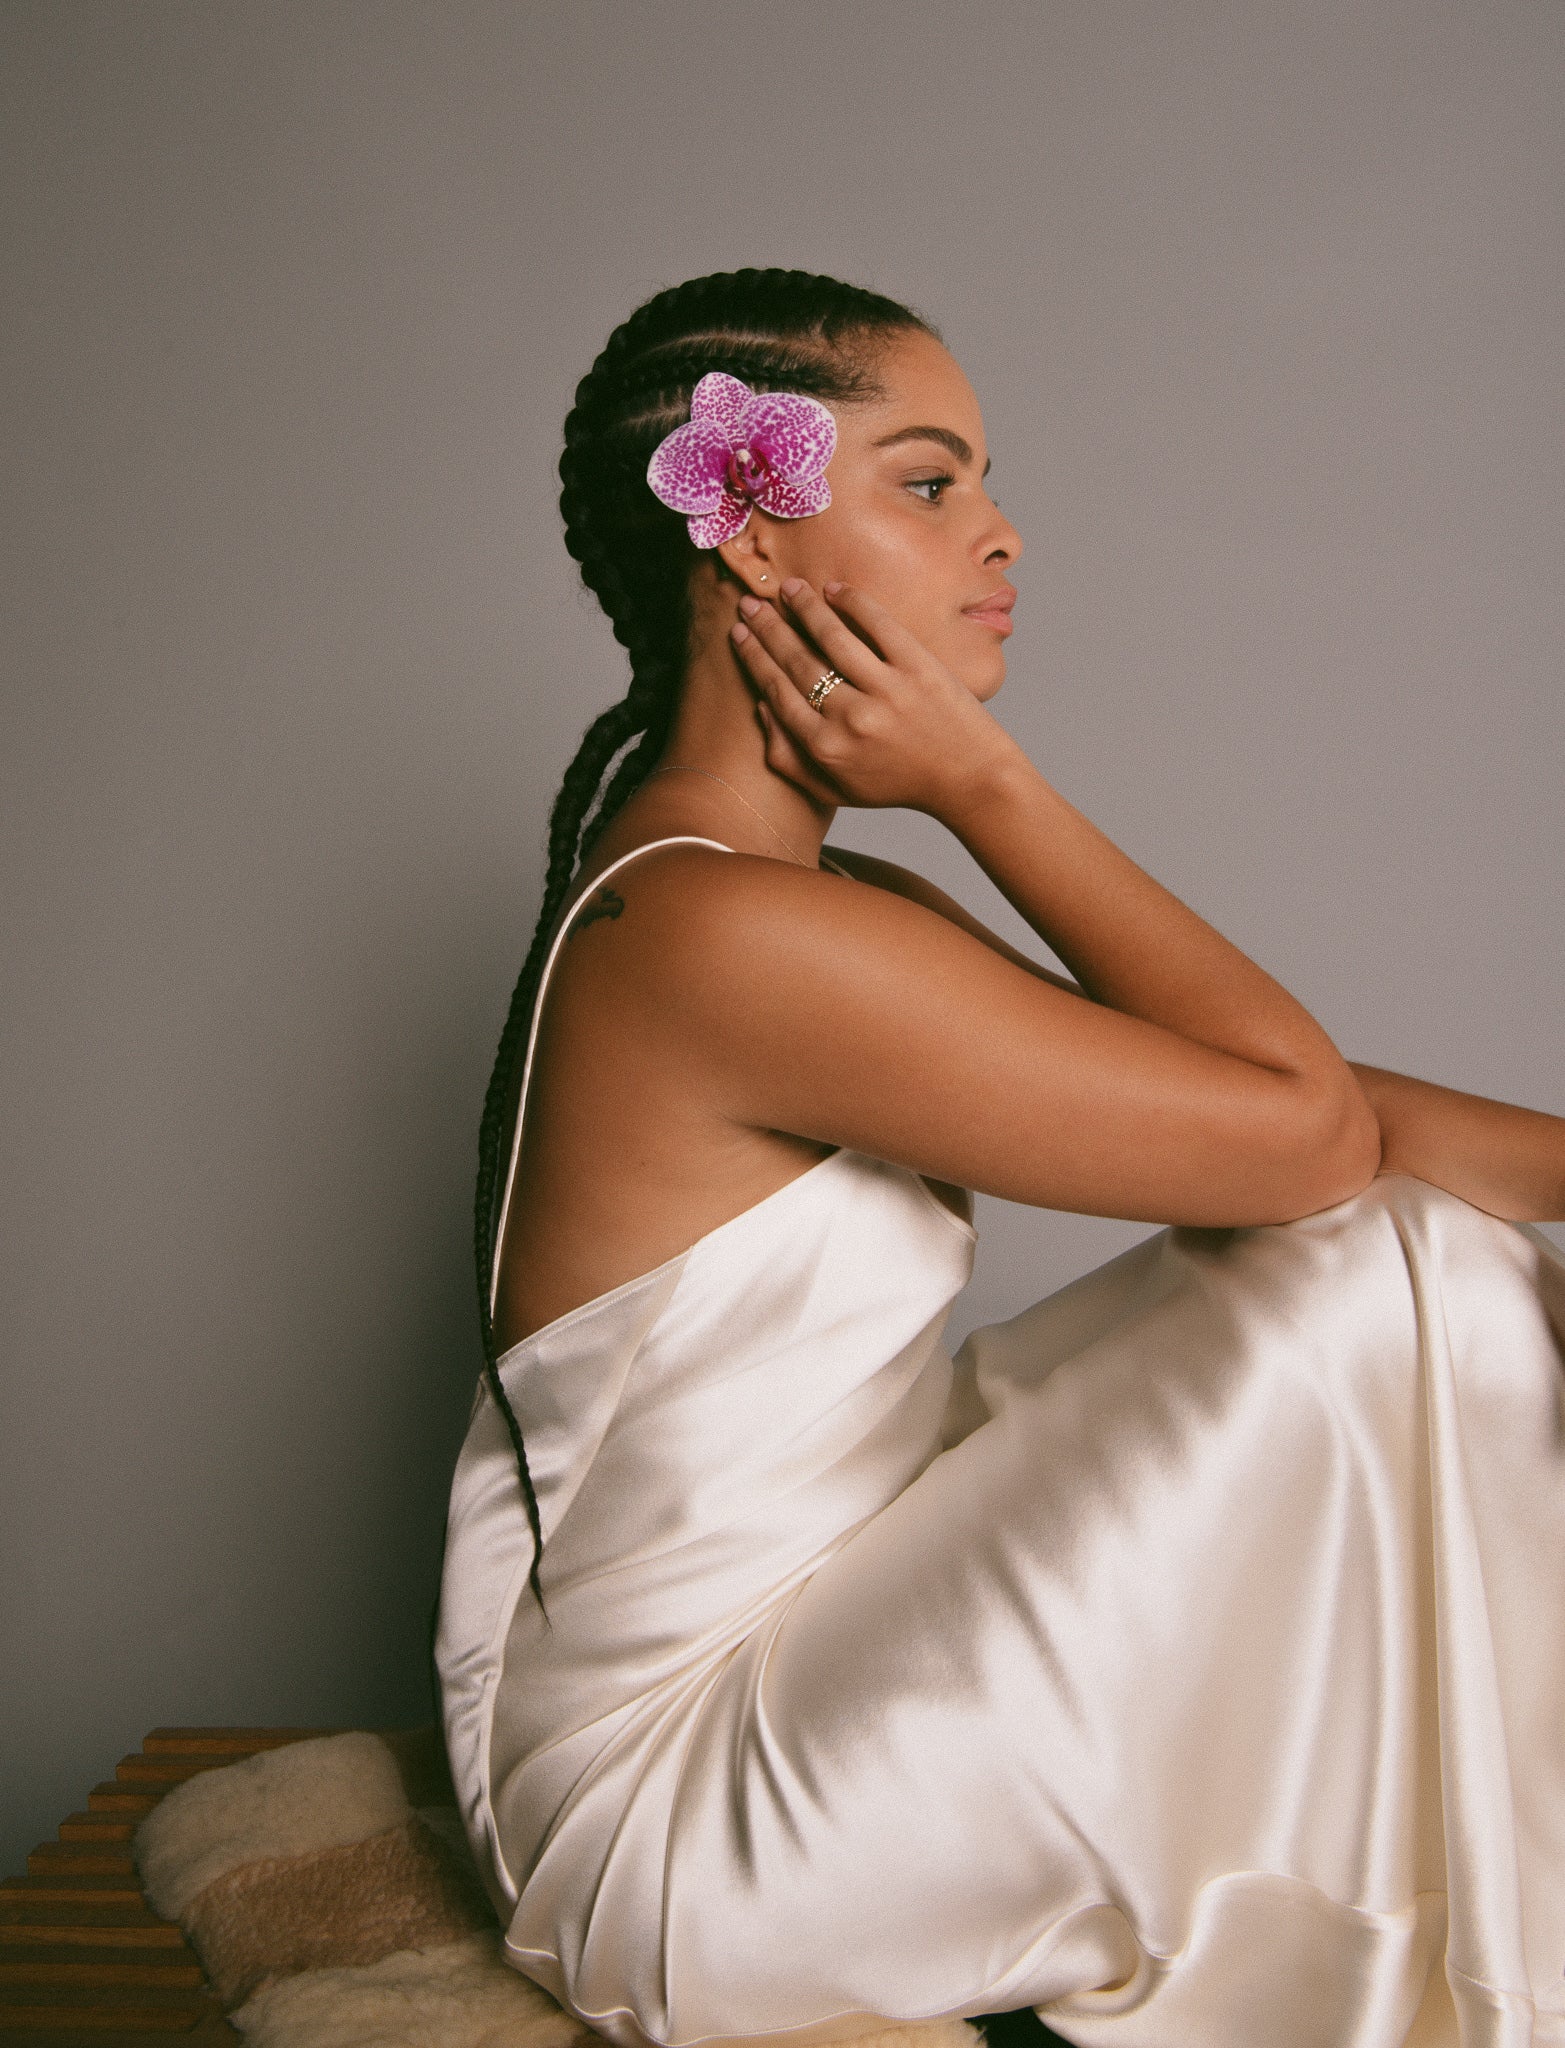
(898, 729)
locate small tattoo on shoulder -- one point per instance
(604, 903)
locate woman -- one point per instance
(1188, 1663)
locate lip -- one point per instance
(994, 610)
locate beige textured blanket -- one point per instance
(330, 1895)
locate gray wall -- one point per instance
(1265, 303)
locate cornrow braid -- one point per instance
(777, 330)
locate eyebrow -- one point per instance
(948, 440)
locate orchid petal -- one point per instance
(793, 501)
(730, 518)
(720, 400)
(688, 467)
(797, 435)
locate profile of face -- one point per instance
(910, 520)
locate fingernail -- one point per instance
(749, 606)
(739, 630)
(793, 586)
(831, 589)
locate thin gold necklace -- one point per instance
(670, 766)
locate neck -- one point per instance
(716, 731)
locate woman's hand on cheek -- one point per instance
(898, 729)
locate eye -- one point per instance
(935, 485)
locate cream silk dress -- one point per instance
(1186, 1661)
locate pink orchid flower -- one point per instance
(741, 450)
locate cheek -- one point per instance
(916, 572)
(896, 561)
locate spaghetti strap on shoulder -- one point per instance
(613, 868)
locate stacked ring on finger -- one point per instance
(823, 689)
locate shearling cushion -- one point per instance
(356, 1904)
(330, 1913)
(288, 1802)
(458, 1996)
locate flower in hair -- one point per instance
(739, 450)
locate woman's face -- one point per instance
(910, 519)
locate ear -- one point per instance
(750, 559)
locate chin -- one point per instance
(984, 679)
(976, 658)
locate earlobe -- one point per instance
(747, 558)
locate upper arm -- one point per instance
(900, 881)
(857, 1017)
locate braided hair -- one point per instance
(781, 330)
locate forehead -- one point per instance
(922, 384)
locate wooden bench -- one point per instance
(84, 1960)
(86, 1963)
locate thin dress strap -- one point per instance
(678, 839)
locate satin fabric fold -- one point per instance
(1186, 1660)
(1189, 1664)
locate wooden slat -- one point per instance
(111, 1798)
(81, 1859)
(65, 1890)
(226, 1742)
(58, 1963)
(213, 2032)
(133, 2022)
(208, 2033)
(73, 2035)
(87, 1926)
(85, 2004)
(97, 1827)
(152, 2008)
(205, 2034)
(169, 1769)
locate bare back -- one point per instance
(628, 1155)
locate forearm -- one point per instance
(1501, 1158)
(1129, 942)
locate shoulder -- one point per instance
(687, 928)
(796, 999)
(702, 917)
(902, 882)
(708, 895)
(682, 873)
(896, 880)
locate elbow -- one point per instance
(1337, 1151)
(1354, 1155)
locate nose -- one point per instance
(1000, 544)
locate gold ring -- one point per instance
(824, 688)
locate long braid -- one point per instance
(778, 330)
(603, 739)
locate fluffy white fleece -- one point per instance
(320, 1794)
(459, 1996)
